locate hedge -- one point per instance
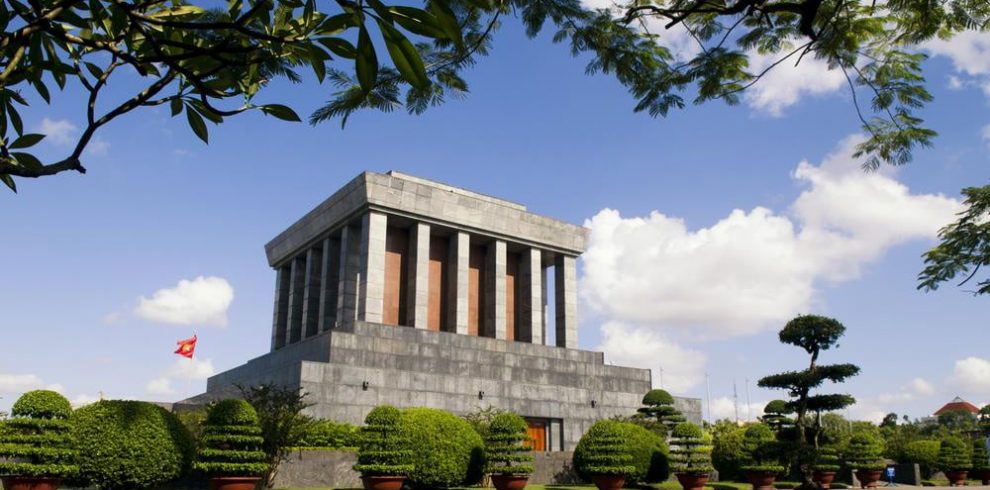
(36, 441)
(231, 441)
(129, 445)
(924, 452)
(447, 452)
(602, 451)
(383, 447)
(330, 434)
(505, 452)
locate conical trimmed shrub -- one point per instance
(691, 449)
(954, 455)
(231, 441)
(865, 452)
(36, 440)
(505, 452)
(826, 459)
(384, 448)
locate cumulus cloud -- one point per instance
(753, 270)
(201, 301)
(98, 147)
(17, 383)
(785, 84)
(84, 399)
(971, 375)
(159, 386)
(59, 132)
(647, 348)
(182, 369)
(969, 52)
(725, 408)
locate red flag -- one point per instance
(186, 347)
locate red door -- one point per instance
(537, 435)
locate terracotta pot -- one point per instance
(608, 482)
(692, 481)
(380, 482)
(824, 478)
(234, 482)
(761, 480)
(984, 476)
(30, 483)
(509, 482)
(868, 478)
(957, 478)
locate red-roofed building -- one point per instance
(957, 405)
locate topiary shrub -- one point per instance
(826, 459)
(864, 452)
(504, 450)
(35, 441)
(447, 451)
(727, 450)
(231, 441)
(383, 448)
(660, 405)
(954, 455)
(650, 458)
(775, 415)
(127, 445)
(691, 451)
(980, 458)
(760, 450)
(923, 452)
(330, 434)
(602, 451)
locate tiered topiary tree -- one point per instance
(981, 461)
(659, 404)
(601, 455)
(691, 455)
(864, 455)
(508, 459)
(954, 459)
(384, 458)
(762, 463)
(35, 442)
(231, 446)
(775, 415)
(826, 465)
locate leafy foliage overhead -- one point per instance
(964, 246)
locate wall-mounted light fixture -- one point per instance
(364, 386)
(481, 395)
(594, 403)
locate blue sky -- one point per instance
(743, 236)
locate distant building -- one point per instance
(957, 405)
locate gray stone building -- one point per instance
(410, 292)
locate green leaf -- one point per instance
(447, 21)
(339, 47)
(337, 24)
(366, 64)
(418, 21)
(197, 124)
(94, 70)
(280, 111)
(27, 141)
(176, 106)
(27, 160)
(6, 179)
(405, 56)
(177, 11)
(42, 90)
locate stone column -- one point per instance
(544, 314)
(330, 284)
(494, 289)
(457, 289)
(350, 279)
(565, 298)
(297, 277)
(418, 287)
(311, 292)
(281, 309)
(371, 293)
(531, 296)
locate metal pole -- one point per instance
(708, 389)
(747, 401)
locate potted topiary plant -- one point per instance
(759, 450)
(864, 455)
(383, 456)
(981, 461)
(35, 444)
(601, 455)
(505, 453)
(231, 452)
(825, 467)
(691, 455)
(954, 459)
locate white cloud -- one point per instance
(646, 348)
(159, 386)
(59, 132)
(191, 369)
(725, 408)
(785, 84)
(19, 383)
(98, 147)
(971, 375)
(969, 52)
(752, 270)
(84, 399)
(203, 300)
(922, 387)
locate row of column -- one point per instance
(342, 279)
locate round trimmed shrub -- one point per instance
(657, 397)
(760, 449)
(504, 450)
(602, 451)
(692, 449)
(446, 450)
(865, 451)
(924, 452)
(954, 455)
(383, 448)
(36, 441)
(231, 443)
(650, 459)
(126, 444)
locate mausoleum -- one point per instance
(406, 291)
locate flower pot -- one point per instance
(509, 482)
(824, 478)
(30, 483)
(234, 482)
(983, 475)
(692, 481)
(761, 480)
(379, 482)
(868, 478)
(608, 482)
(957, 478)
